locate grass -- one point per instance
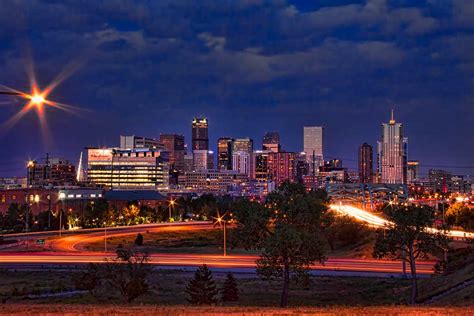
(35, 309)
(167, 288)
(440, 283)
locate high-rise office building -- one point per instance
(243, 144)
(413, 171)
(242, 162)
(313, 139)
(141, 168)
(203, 159)
(271, 142)
(282, 166)
(200, 136)
(132, 142)
(224, 153)
(366, 163)
(392, 153)
(276, 167)
(174, 145)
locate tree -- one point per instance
(460, 214)
(128, 273)
(139, 240)
(202, 289)
(287, 230)
(230, 291)
(408, 237)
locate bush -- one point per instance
(230, 292)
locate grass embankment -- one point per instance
(206, 242)
(187, 310)
(440, 283)
(167, 288)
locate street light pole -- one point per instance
(105, 236)
(225, 238)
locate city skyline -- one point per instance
(148, 76)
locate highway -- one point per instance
(377, 221)
(69, 250)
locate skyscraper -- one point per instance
(243, 144)
(413, 171)
(224, 153)
(313, 137)
(174, 145)
(271, 141)
(200, 136)
(366, 163)
(203, 159)
(242, 162)
(392, 153)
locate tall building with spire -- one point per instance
(392, 153)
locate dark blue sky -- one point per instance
(250, 66)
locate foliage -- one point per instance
(460, 214)
(343, 231)
(89, 280)
(408, 238)
(230, 291)
(95, 213)
(128, 273)
(287, 229)
(130, 213)
(139, 240)
(202, 289)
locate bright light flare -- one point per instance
(378, 221)
(37, 99)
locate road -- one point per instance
(69, 250)
(377, 221)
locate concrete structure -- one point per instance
(392, 153)
(128, 168)
(313, 139)
(366, 163)
(200, 134)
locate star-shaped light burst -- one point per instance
(219, 220)
(37, 99)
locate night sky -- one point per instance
(249, 66)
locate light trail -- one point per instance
(380, 222)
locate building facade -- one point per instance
(213, 181)
(313, 140)
(242, 162)
(413, 171)
(271, 142)
(366, 163)
(392, 153)
(132, 142)
(224, 153)
(114, 168)
(174, 145)
(52, 172)
(200, 134)
(243, 144)
(203, 159)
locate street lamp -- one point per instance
(220, 220)
(105, 236)
(171, 205)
